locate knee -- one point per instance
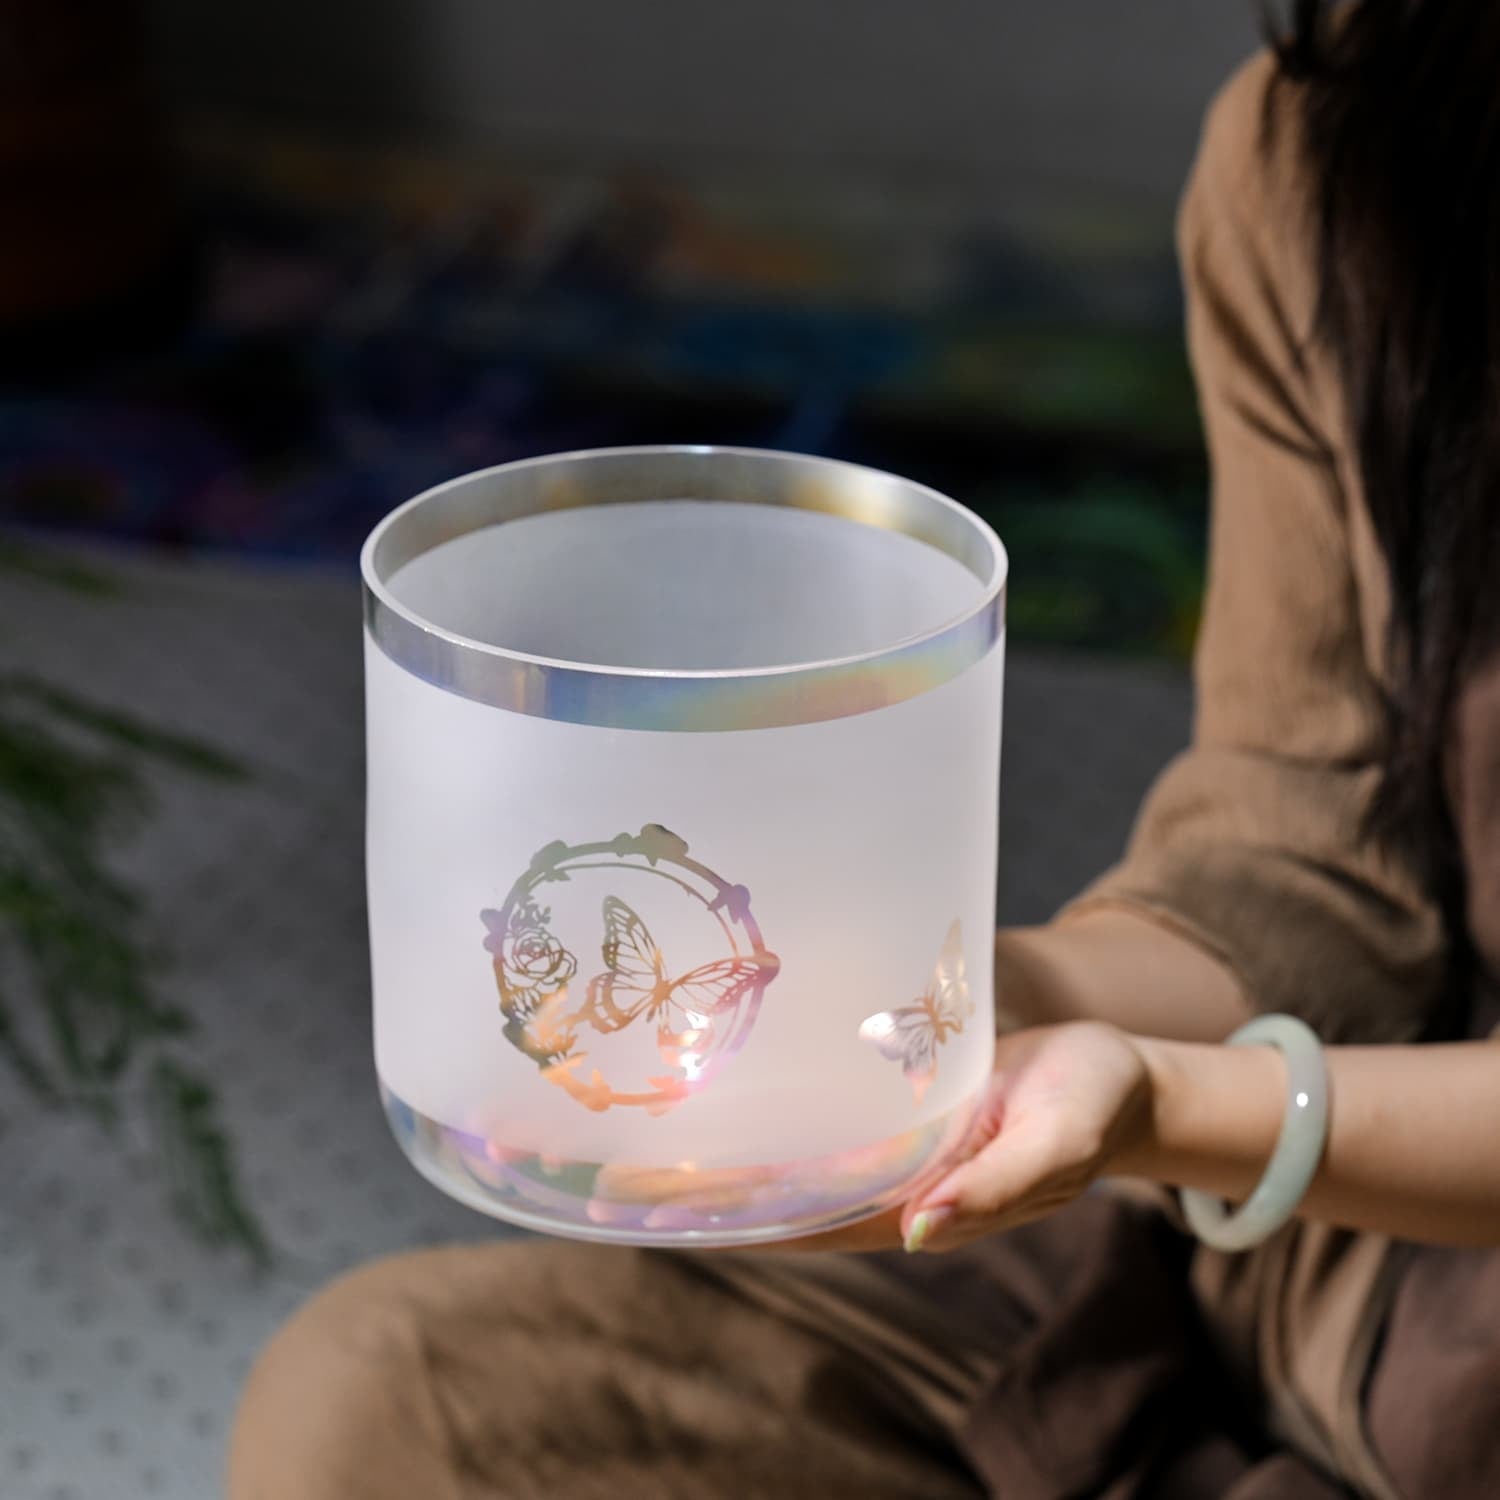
(336, 1386)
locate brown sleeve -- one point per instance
(1250, 843)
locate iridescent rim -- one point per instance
(632, 698)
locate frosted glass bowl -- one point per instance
(683, 786)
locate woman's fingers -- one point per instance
(1022, 1173)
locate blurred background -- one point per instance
(282, 264)
(267, 269)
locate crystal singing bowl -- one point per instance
(683, 784)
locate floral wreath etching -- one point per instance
(702, 1017)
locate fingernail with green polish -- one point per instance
(922, 1228)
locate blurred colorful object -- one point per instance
(1110, 567)
(373, 322)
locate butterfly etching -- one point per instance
(687, 1010)
(911, 1034)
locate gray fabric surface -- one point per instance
(122, 1342)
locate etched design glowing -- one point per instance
(701, 1016)
(911, 1034)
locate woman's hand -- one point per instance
(1065, 1105)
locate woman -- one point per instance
(1329, 848)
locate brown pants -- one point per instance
(539, 1368)
(547, 1369)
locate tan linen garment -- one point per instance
(1053, 1361)
(1250, 842)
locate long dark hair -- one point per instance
(1398, 105)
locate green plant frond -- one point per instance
(22, 1058)
(64, 572)
(200, 1163)
(98, 1003)
(79, 1014)
(127, 731)
(47, 783)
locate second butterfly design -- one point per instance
(911, 1034)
